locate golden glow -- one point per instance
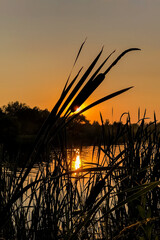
(32, 57)
(77, 162)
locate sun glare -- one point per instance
(78, 109)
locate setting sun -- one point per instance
(78, 109)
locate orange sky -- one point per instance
(40, 39)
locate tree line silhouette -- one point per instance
(20, 123)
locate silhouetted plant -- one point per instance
(57, 204)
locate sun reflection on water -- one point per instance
(77, 162)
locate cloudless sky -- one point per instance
(39, 41)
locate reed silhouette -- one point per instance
(102, 202)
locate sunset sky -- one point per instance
(39, 40)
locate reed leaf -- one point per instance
(119, 57)
(139, 193)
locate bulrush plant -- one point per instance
(56, 203)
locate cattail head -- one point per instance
(87, 90)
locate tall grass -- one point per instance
(96, 203)
(105, 202)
